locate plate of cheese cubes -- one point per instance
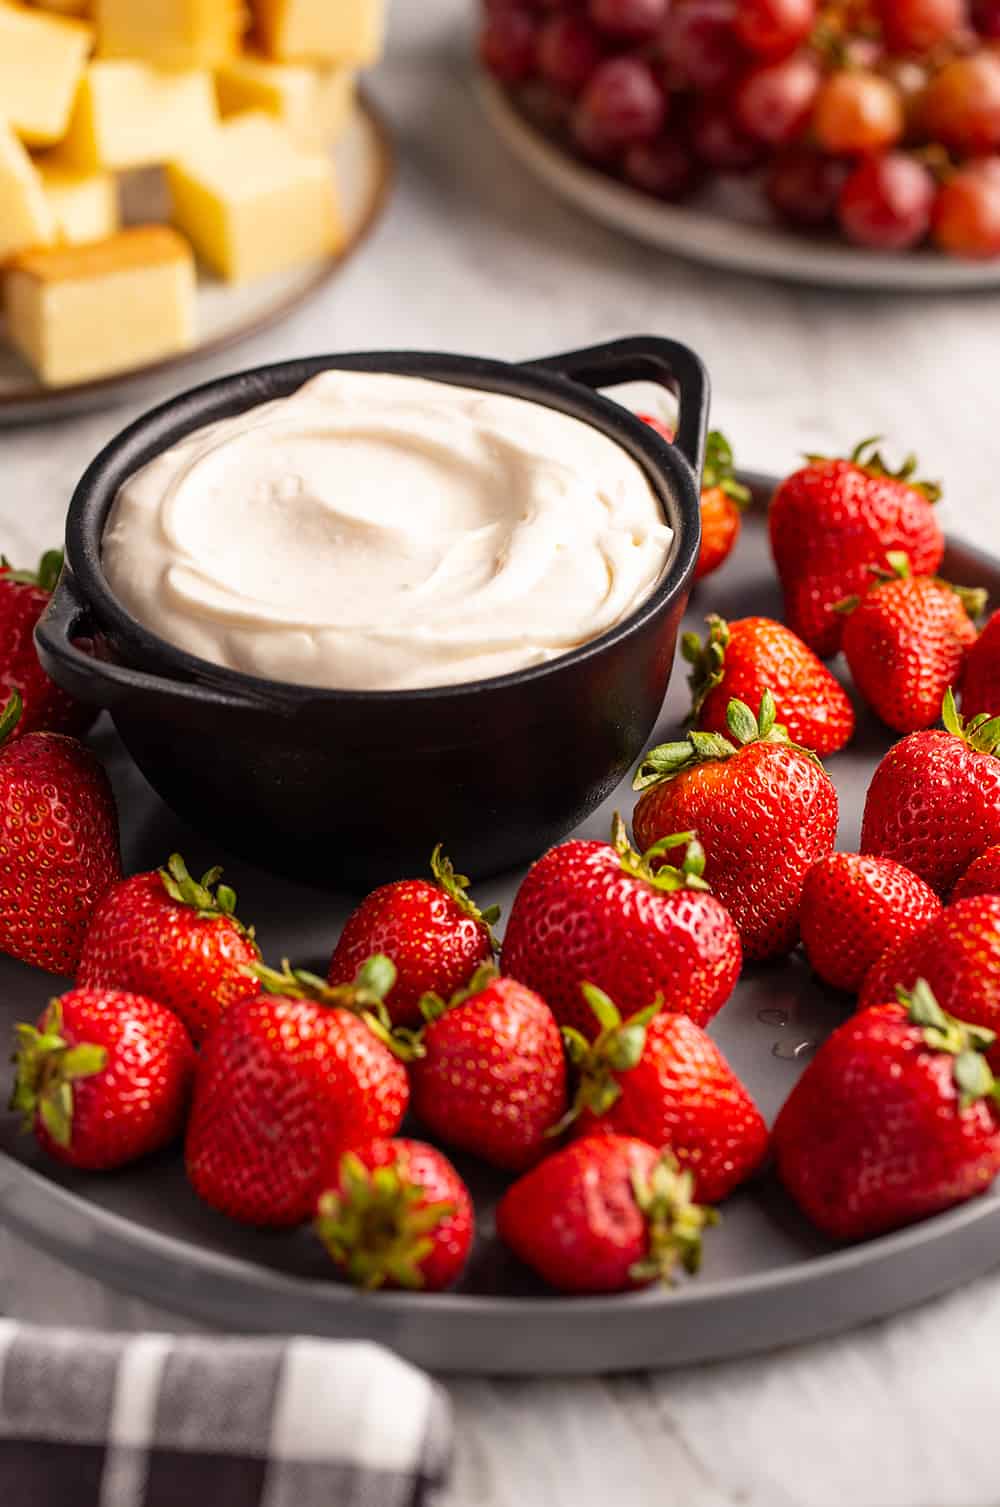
(173, 177)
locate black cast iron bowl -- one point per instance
(348, 788)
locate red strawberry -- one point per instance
(958, 955)
(895, 1118)
(492, 1075)
(104, 1079)
(723, 498)
(24, 596)
(906, 642)
(982, 877)
(658, 1077)
(744, 659)
(397, 1215)
(58, 844)
(831, 521)
(286, 1083)
(853, 908)
(176, 939)
(605, 1214)
(432, 931)
(764, 809)
(597, 911)
(934, 801)
(981, 686)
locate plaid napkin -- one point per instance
(153, 1420)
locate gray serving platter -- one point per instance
(768, 1279)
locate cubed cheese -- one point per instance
(41, 59)
(26, 216)
(169, 33)
(332, 31)
(84, 201)
(314, 104)
(253, 203)
(78, 313)
(131, 115)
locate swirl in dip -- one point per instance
(380, 532)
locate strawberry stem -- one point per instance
(671, 759)
(667, 877)
(617, 1049)
(46, 1067)
(207, 897)
(378, 1227)
(946, 1033)
(674, 1221)
(456, 886)
(719, 471)
(10, 716)
(45, 577)
(981, 733)
(707, 663)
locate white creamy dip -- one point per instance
(379, 532)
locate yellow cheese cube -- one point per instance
(41, 59)
(314, 104)
(332, 31)
(130, 115)
(253, 203)
(84, 201)
(78, 313)
(169, 33)
(26, 216)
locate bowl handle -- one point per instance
(647, 358)
(101, 682)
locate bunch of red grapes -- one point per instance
(881, 117)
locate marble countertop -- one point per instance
(474, 257)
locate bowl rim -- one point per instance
(667, 470)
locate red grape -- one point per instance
(803, 186)
(507, 43)
(886, 202)
(961, 106)
(918, 25)
(664, 167)
(774, 102)
(720, 142)
(967, 212)
(569, 50)
(623, 102)
(700, 45)
(774, 28)
(858, 112)
(632, 20)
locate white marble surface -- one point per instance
(473, 257)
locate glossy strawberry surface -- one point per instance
(682, 1093)
(59, 848)
(132, 1099)
(830, 522)
(579, 916)
(854, 908)
(982, 877)
(143, 939)
(981, 684)
(752, 655)
(24, 596)
(933, 805)
(576, 1218)
(958, 955)
(875, 1134)
(764, 816)
(906, 642)
(436, 939)
(492, 1079)
(284, 1086)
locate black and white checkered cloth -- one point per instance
(151, 1420)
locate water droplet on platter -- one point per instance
(773, 1017)
(786, 1050)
